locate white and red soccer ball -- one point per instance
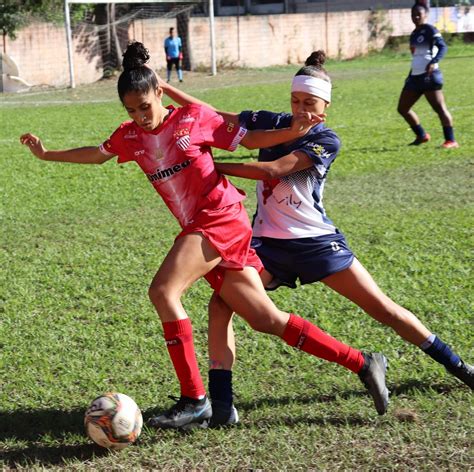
(113, 421)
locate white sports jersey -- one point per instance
(424, 43)
(292, 207)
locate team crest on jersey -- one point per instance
(321, 152)
(420, 38)
(183, 140)
(181, 132)
(230, 127)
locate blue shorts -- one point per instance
(306, 259)
(424, 83)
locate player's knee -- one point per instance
(160, 295)
(402, 110)
(154, 292)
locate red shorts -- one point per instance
(228, 230)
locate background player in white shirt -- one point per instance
(425, 78)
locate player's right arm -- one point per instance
(183, 98)
(82, 155)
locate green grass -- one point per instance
(79, 246)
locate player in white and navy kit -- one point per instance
(294, 237)
(290, 226)
(173, 147)
(425, 78)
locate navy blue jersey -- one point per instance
(292, 206)
(427, 47)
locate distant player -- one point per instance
(425, 78)
(173, 147)
(174, 55)
(294, 237)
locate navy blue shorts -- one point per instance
(424, 82)
(306, 259)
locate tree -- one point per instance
(11, 18)
(15, 14)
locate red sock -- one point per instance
(179, 341)
(304, 335)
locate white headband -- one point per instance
(312, 85)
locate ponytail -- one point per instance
(313, 66)
(136, 75)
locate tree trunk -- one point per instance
(116, 50)
(101, 20)
(183, 32)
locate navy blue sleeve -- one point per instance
(262, 119)
(439, 42)
(442, 49)
(322, 150)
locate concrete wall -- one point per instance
(251, 41)
(40, 51)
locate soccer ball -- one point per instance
(113, 420)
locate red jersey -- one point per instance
(177, 158)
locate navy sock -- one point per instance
(448, 133)
(442, 353)
(220, 386)
(419, 131)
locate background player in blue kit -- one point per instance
(428, 48)
(174, 55)
(294, 237)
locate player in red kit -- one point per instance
(173, 148)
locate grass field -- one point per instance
(79, 246)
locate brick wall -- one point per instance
(252, 41)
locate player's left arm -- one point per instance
(183, 98)
(219, 133)
(254, 170)
(440, 43)
(264, 138)
(319, 156)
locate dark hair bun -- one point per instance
(135, 56)
(317, 59)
